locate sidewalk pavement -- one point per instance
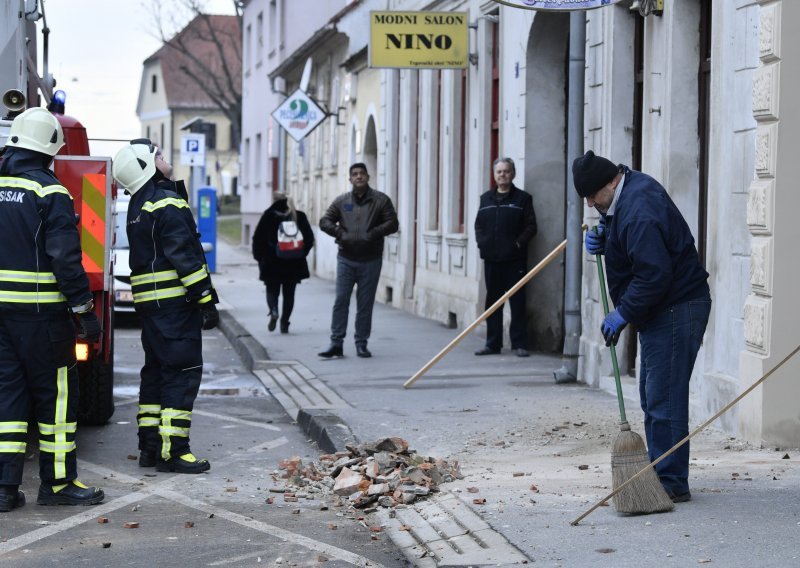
(537, 452)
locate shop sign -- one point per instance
(557, 5)
(419, 40)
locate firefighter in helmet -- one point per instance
(44, 293)
(174, 297)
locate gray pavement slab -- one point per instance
(537, 452)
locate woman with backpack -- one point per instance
(281, 242)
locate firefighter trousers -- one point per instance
(37, 372)
(170, 380)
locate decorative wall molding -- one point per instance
(457, 253)
(433, 246)
(766, 89)
(760, 207)
(769, 33)
(761, 265)
(766, 150)
(757, 324)
(761, 198)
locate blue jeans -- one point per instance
(669, 346)
(364, 276)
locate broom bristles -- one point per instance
(646, 494)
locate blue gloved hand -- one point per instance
(595, 240)
(612, 326)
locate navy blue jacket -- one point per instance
(503, 228)
(40, 268)
(651, 260)
(168, 268)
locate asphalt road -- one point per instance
(220, 518)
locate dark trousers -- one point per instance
(364, 275)
(274, 292)
(500, 278)
(170, 380)
(669, 346)
(37, 367)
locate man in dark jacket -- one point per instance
(42, 281)
(656, 282)
(358, 220)
(505, 223)
(174, 297)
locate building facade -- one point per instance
(171, 102)
(691, 95)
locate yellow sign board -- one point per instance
(419, 40)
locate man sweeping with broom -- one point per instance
(657, 283)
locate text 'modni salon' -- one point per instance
(419, 40)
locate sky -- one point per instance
(96, 51)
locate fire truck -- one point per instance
(88, 179)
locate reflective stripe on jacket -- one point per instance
(168, 268)
(40, 268)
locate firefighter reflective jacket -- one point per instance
(40, 268)
(168, 268)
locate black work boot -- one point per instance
(186, 463)
(148, 458)
(10, 498)
(72, 493)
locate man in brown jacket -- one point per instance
(358, 220)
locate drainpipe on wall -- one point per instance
(568, 372)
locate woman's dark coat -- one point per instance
(265, 240)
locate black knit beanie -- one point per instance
(590, 173)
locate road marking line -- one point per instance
(233, 559)
(236, 420)
(162, 489)
(287, 536)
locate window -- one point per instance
(248, 159)
(259, 37)
(257, 161)
(210, 130)
(161, 139)
(248, 38)
(154, 83)
(273, 25)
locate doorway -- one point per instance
(544, 175)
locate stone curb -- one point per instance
(245, 345)
(325, 428)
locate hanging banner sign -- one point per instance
(299, 114)
(557, 5)
(419, 40)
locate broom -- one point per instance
(628, 452)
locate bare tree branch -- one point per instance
(214, 72)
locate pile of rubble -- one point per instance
(384, 473)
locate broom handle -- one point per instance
(524, 280)
(687, 438)
(614, 363)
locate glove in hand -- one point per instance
(612, 327)
(210, 316)
(89, 327)
(595, 240)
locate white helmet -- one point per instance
(38, 130)
(134, 165)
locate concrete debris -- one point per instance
(383, 473)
